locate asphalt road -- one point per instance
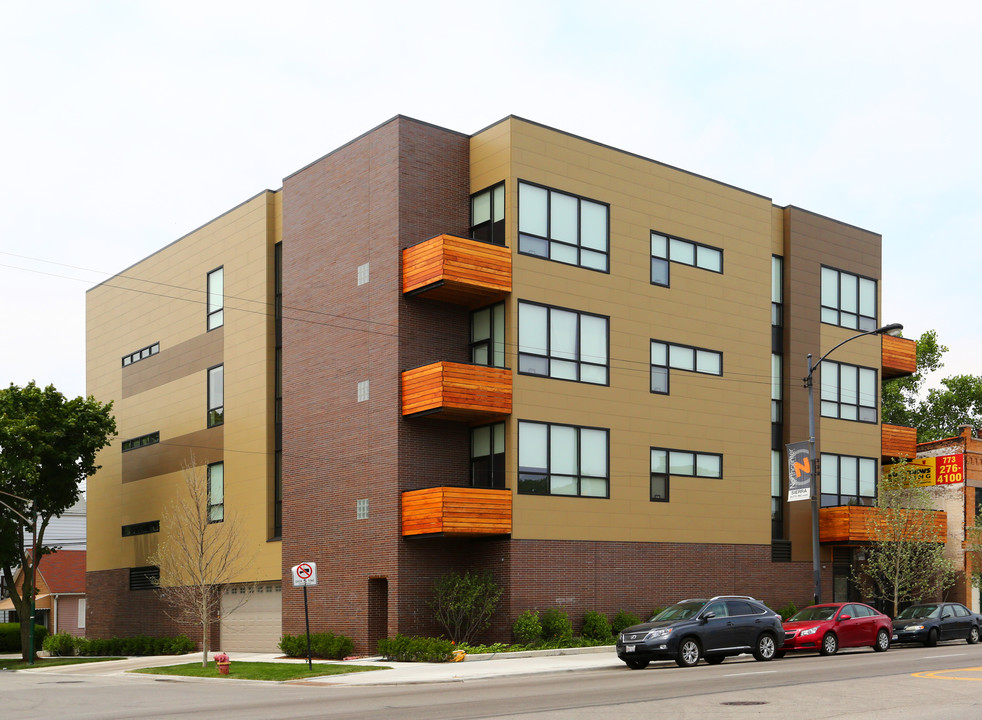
(915, 683)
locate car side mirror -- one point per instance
(708, 616)
(946, 616)
(843, 618)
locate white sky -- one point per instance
(125, 125)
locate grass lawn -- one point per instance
(259, 670)
(51, 662)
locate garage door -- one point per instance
(251, 618)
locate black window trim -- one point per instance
(208, 404)
(838, 294)
(827, 366)
(140, 441)
(548, 341)
(490, 189)
(140, 528)
(578, 246)
(579, 475)
(208, 311)
(138, 355)
(669, 367)
(669, 237)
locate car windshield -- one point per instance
(919, 611)
(814, 613)
(681, 611)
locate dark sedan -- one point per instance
(928, 623)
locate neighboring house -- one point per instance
(957, 489)
(518, 351)
(60, 601)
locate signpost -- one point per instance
(305, 574)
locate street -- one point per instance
(921, 683)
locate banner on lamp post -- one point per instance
(801, 474)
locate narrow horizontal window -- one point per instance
(667, 462)
(141, 354)
(666, 356)
(142, 441)
(666, 249)
(144, 528)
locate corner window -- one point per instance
(848, 480)
(216, 298)
(666, 249)
(665, 463)
(681, 357)
(488, 336)
(488, 215)
(216, 492)
(216, 395)
(562, 227)
(848, 300)
(848, 392)
(564, 344)
(562, 460)
(488, 456)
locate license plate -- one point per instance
(629, 648)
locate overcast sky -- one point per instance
(125, 125)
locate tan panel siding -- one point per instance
(172, 454)
(191, 356)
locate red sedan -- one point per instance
(830, 626)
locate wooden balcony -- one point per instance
(859, 525)
(899, 356)
(897, 441)
(457, 270)
(456, 512)
(457, 392)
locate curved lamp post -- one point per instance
(891, 329)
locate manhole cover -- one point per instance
(745, 702)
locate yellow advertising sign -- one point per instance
(940, 470)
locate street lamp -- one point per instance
(891, 329)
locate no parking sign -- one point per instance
(305, 574)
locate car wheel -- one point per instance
(830, 644)
(973, 635)
(715, 659)
(882, 641)
(932, 638)
(688, 654)
(637, 664)
(765, 648)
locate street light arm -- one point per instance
(886, 329)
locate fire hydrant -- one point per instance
(222, 661)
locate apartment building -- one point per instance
(517, 351)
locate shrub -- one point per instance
(527, 628)
(788, 610)
(623, 619)
(60, 644)
(596, 626)
(322, 645)
(465, 603)
(415, 649)
(556, 625)
(137, 645)
(10, 637)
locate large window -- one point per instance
(685, 463)
(488, 456)
(216, 492)
(666, 249)
(848, 480)
(562, 460)
(488, 215)
(848, 300)
(488, 336)
(562, 227)
(563, 344)
(848, 392)
(216, 395)
(665, 356)
(216, 298)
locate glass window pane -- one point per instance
(593, 339)
(532, 208)
(498, 206)
(830, 316)
(562, 485)
(849, 320)
(533, 365)
(562, 213)
(593, 452)
(659, 461)
(682, 358)
(830, 474)
(216, 390)
(681, 251)
(681, 463)
(867, 477)
(659, 271)
(499, 437)
(709, 362)
(479, 354)
(830, 409)
(591, 259)
(866, 323)
(533, 246)
(562, 450)
(709, 258)
(532, 324)
(481, 325)
(659, 353)
(659, 379)
(593, 225)
(216, 477)
(776, 372)
(830, 381)
(532, 444)
(830, 289)
(848, 392)
(659, 246)
(777, 279)
(867, 297)
(777, 468)
(563, 369)
(563, 253)
(848, 476)
(480, 208)
(562, 334)
(481, 441)
(498, 326)
(709, 466)
(867, 387)
(659, 487)
(848, 293)
(593, 374)
(216, 289)
(593, 487)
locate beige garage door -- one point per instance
(255, 623)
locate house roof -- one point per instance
(63, 571)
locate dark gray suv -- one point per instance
(712, 629)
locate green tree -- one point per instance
(905, 561)
(464, 603)
(48, 446)
(900, 398)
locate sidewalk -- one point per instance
(474, 667)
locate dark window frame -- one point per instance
(840, 499)
(667, 260)
(864, 323)
(829, 366)
(216, 412)
(216, 311)
(141, 354)
(495, 465)
(667, 368)
(667, 474)
(548, 356)
(490, 342)
(211, 505)
(141, 528)
(496, 230)
(140, 441)
(549, 240)
(579, 476)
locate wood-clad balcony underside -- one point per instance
(456, 512)
(457, 270)
(899, 356)
(897, 441)
(856, 524)
(457, 392)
